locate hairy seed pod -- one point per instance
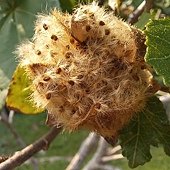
(92, 74)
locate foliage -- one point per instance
(20, 83)
(149, 127)
(158, 42)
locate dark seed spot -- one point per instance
(72, 41)
(40, 83)
(45, 26)
(107, 31)
(73, 111)
(61, 109)
(97, 105)
(88, 28)
(80, 76)
(48, 96)
(71, 82)
(46, 78)
(38, 52)
(58, 71)
(68, 54)
(47, 46)
(54, 37)
(101, 23)
(68, 47)
(135, 77)
(143, 67)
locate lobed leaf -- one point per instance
(149, 127)
(158, 47)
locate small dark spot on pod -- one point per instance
(72, 40)
(61, 109)
(47, 46)
(38, 52)
(46, 78)
(101, 23)
(97, 105)
(73, 111)
(88, 28)
(143, 67)
(68, 47)
(87, 91)
(45, 26)
(107, 31)
(58, 71)
(40, 84)
(135, 77)
(68, 54)
(48, 96)
(80, 76)
(54, 37)
(71, 82)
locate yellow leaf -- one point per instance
(18, 97)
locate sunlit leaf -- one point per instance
(158, 51)
(19, 92)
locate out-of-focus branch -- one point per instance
(95, 162)
(112, 157)
(5, 121)
(21, 156)
(133, 18)
(84, 150)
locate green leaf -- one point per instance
(149, 127)
(67, 5)
(158, 51)
(16, 23)
(18, 97)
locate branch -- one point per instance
(95, 162)
(84, 150)
(21, 156)
(133, 18)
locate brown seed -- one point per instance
(97, 105)
(48, 96)
(46, 78)
(45, 26)
(72, 40)
(88, 28)
(101, 23)
(38, 52)
(58, 71)
(68, 47)
(71, 82)
(54, 37)
(107, 31)
(68, 54)
(80, 76)
(40, 84)
(135, 77)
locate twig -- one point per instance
(112, 157)
(95, 162)
(114, 150)
(21, 156)
(7, 120)
(133, 18)
(85, 148)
